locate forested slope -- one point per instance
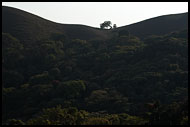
(121, 80)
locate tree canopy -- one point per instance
(121, 81)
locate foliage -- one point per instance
(106, 24)
(73, 116)
(124, 80)
(15, 122)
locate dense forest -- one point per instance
(123, 80)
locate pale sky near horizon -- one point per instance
(94, 13)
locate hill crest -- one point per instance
(29, 27)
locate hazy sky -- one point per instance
(94, 13)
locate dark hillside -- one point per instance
(158, 26)
(65, 74)
(29, 27)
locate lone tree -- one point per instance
(106, 24)
(114, 26)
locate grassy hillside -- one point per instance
(29, 27)
(158, 26)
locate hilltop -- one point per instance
(29, 27)
(158, 25)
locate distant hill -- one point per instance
(28, 27)
(159, 25)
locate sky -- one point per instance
(94, 13)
